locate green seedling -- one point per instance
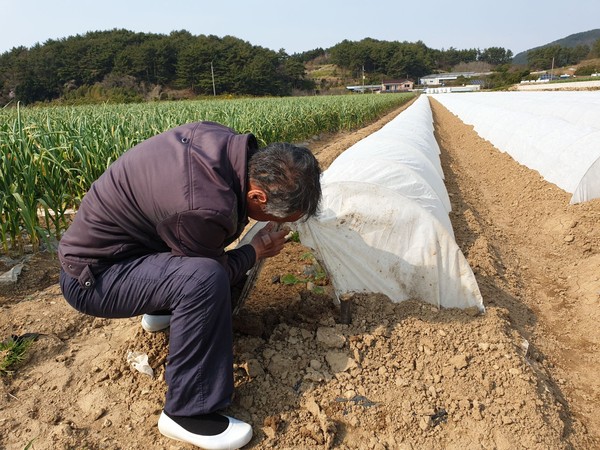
(294, 237)
(316, 275)
(12, 352)
(290, 279)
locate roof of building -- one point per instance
(449, 75)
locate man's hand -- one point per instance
(267, 242)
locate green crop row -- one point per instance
(50, 156)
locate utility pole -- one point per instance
(363, 79)
(212, 73)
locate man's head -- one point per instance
(284, 183)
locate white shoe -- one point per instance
(234, 434)
(153, 323)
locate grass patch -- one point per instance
(325, 71)
(12, 352)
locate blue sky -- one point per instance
(299, 26)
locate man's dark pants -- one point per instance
(199, 371)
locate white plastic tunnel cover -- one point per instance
(555, 133)
(384, 225)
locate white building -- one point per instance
(438, 79)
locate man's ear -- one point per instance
(257, 196)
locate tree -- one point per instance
(193, 66)
(496, 56)
(384, 58)
(342, 54)
(152, 61)
(595, 50)
(448, 59)
(310, 55)
(503, 76)
(257, 76)
(13, 66)
(405, 61)
(294, 73)
(543, 58)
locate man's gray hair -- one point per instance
(290, 176)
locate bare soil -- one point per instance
(399, 376)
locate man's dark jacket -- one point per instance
(183, 192)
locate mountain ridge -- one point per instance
(573, 40)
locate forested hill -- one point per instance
(131, 63)
(121, 66)
(586, 38)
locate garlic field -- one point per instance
(50, 156)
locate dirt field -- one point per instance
(400, 376)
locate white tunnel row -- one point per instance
(384, 225)
(554, 133)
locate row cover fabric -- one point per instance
(554, 133)
(384, 225)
